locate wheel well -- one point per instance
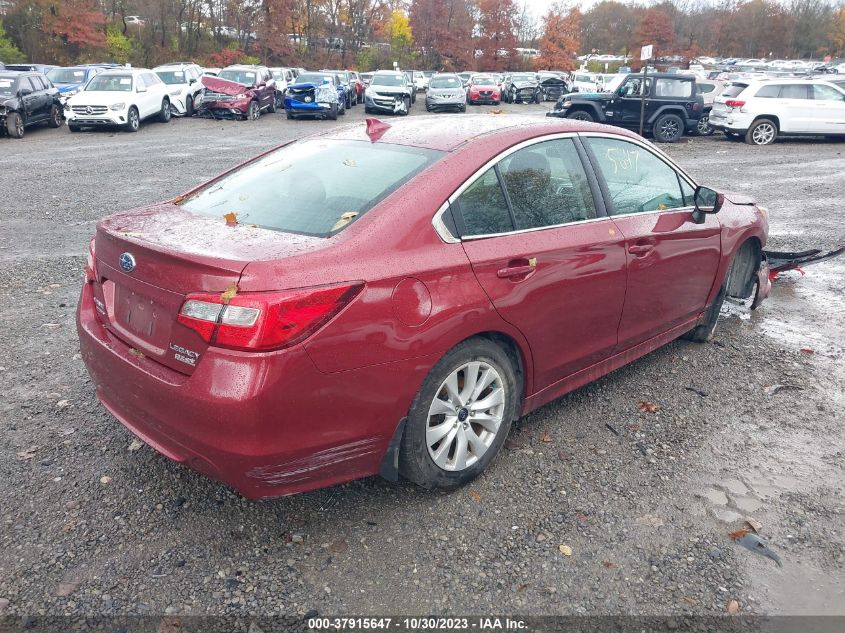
(771, 118)
(678, 113)
(743, 269)
(509, 345)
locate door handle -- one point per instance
(640, 249)
(518, 268)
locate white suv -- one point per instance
(183, 85)
(763, 109)
(120, 96)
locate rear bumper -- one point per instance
(265, 424)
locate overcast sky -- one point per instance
(540, 7)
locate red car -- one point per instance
(484, 89)
(389, 299)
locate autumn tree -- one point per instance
(496, 33)
(837, 32)
(609, 27)
(561, 38)
(8, 51)
(443, 33)
(656, 28)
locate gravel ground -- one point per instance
(91, 523)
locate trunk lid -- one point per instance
(148, 261)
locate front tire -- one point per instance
(333, 112)
(668, 128)
(164, 115)
(56, 117)
(133, 120)
(14, 125)
(253, 111)
(189, 106)
(580, 115)
(461, 416)
(762, 132)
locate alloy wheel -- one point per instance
(19, 127)
(133, 119)
(669, 129)
(465, 415)
(704, 126)
(763, 134)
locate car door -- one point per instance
(671, 260)
(793, 108)
(828, 106)
(156, 92)
(30, 101)
(627, 105)
(545, 253)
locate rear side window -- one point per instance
(638, 181)
(547, 185)
(705, 88)
(768, 92)
(734, 89)
(794, 91)
(483, 208)
(826, 93)
(672, 88)
(314, 187)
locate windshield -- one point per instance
(279, 74)
(7, 87)
(522, 77)
(172, 77)
(483, 81)
(314, 187)
(66, 75)
(110, 83)
(445, 82)
(314, 78)
(387, 80)
(614, 83)
(244, 77)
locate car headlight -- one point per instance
(117, 106)
(241, 96)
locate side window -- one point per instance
(672, 88)
(826, 93)
(770, 91)
(34, 83)
(634, 86)
(483, 208)
(139, 82)
(706, 88)
(637, 180)
(794, 91)
(547, 185)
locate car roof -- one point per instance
(449, 133)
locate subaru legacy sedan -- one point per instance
(389, 299)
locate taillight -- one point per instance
(734, 103)
(90, 268)
(264, 321)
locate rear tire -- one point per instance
(762, 132)
(189, 106)
(470, 435)
(668, 128)
(703, 127)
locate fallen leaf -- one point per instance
(634, 428)
(476, 496)
(497, 111)
(522, 587)
(27, 453)
(231, 218)
(649, 520)
(179, 199)
(338, 547)
(754, 524)
(62, 404)
(807, 350)
(608, 564)
(136, 352)
(581, 517)
(565, 550)
(545, 437)
(105, 479)
(733, 607)
(689, 600)
(738, 533)
(229, 293)
(648, 407)
(51, 326)
(66, 588)
(135, 445)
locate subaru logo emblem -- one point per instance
(90, 110)
(127, 262)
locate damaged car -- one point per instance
(26, 99)
(364, 301)
(320, 94)
(521, 88)
(237, 92)
(389, 91)
(552, 86)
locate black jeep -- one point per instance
(27, 98)
(672, 105)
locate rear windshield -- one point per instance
(734, 89)
(314, 187)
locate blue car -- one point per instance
(319, 94)
(72, 79)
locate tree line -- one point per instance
(432, 34)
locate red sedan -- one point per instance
(389, 299)
(483, 89)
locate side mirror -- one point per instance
(25, 91)
(192, 81)
(706, 201)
